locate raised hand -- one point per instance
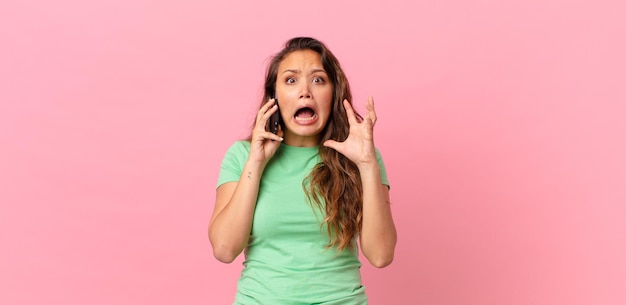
(359, 146)
(264, 144)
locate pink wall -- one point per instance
(502, 124)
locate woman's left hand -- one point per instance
(359, 146)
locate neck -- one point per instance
(300, 141)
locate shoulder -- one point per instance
(233, 162)
(379, 155)
(239, 147)
(237, 152)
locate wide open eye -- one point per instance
(290, 80)
(319, 80)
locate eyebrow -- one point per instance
(298, 71)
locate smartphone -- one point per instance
(275, 119)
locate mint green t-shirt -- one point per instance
(286, 261)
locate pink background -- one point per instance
(501, 123)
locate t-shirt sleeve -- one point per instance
(233, 162)
(383, 170)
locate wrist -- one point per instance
(254, 165)
(367, 167)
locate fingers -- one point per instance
(350, 112)
(271, 136)
(369, 116)
(332, 144)
(278, 136)
(370, 110)
(261, 136)
(262, 118)
(265, 112)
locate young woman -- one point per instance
(296, 201)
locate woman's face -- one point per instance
(304, 94)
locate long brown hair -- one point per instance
(334, 184)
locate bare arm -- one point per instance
(378, 232)
(231, 222)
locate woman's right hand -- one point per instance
(231, 222)
(264, 144)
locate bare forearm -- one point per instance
(230, 230)
(378, 234)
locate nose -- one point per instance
(305, 92)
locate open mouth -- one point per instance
(305, 114)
